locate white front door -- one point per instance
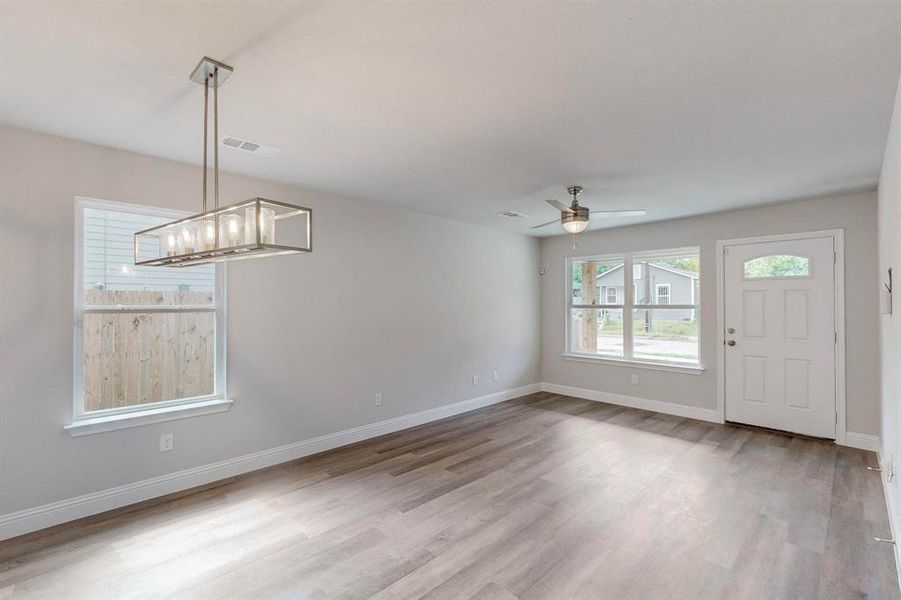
(780, 335)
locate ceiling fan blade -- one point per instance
(544, 224)
(560, 206)
(618, 213)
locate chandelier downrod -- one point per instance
(216, 135)
(206, 103)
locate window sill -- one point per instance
(637, 364)
(90, 426)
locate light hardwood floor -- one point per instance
(540, 497)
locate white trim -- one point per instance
(862, 441)
(96, 422)
(687, 369)
(47, 515)
(838, 241)
(114, 422)
(668, 408)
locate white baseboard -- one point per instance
(863, 441)
(47, 515)
(669, 408)
(888, 490)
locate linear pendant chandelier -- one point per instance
(254, 228)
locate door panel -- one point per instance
(780, 334)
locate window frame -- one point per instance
(83, 422)
(628, 305)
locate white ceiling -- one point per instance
(468, 109)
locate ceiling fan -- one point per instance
(575, 218)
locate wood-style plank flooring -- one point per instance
(540, 497)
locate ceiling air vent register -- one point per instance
(237, 143)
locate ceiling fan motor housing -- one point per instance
(581, 214)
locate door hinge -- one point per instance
(836, 418)
(835, 337)
(834, 257)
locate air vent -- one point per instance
(248, 146)
(511, 214)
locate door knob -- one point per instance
(731, 342)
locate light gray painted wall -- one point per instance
(890, 330)
(392, 301)
(856, 213)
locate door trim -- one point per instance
(838, 239)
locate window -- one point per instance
(611, 295)
(146, 337)
(662, 293)
(777, 267)
(656, 320)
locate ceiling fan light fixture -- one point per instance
(574, 226)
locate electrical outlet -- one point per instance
(378, 399)
(634, 379)
(167, 442)
(494, 375)
(475, 380)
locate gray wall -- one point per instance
(856, 213)
(890, 330)
(391, 301)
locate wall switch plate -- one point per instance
(634, 379)
(494, 375)
(475, 380)
(167, 442)
(378, 399)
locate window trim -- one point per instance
(628, 259)
(83, 423)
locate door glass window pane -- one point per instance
(597, 332)
(776, 266)
(665, 335)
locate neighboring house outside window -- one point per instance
(662, 303)
(147, 339)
